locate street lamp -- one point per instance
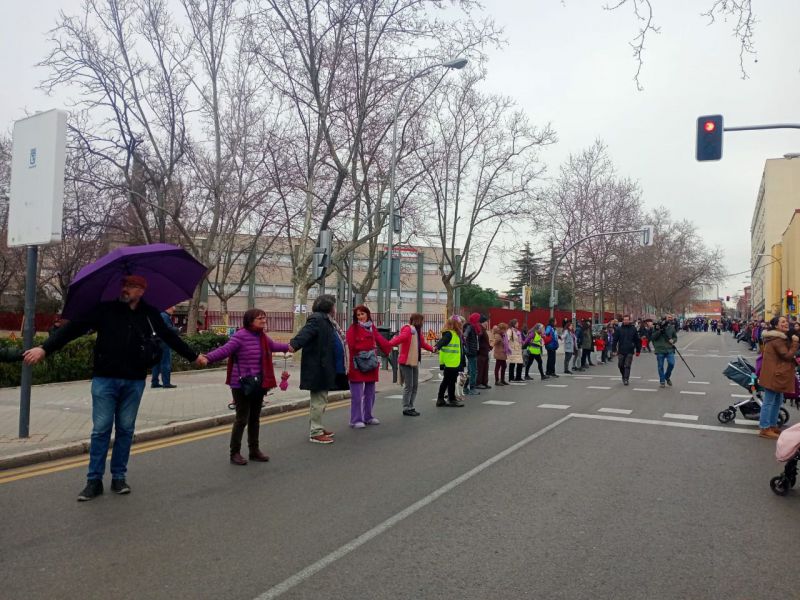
(456, 63)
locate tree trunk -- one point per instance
(300, 298)
(223, 306)
(194, 311)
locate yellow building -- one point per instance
(778, 198)
(790, 261)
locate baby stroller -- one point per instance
(787, 450)
(743, 373)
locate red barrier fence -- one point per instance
(10, 321)
(538, 315)
(284, 321)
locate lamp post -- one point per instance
(456, 63)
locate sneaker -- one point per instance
(473, 393)
(169, 386)
(94, 488)
(487, 387)
(120, 486)
(768, 433)
(456, 404)
(411, 413)
(356, 425)
(662, 384)
(556, 375)
(545, 377)
(156, 385)
(441, 403)
(328, 433)
(624, 382)
(669, 382)
(322, 438)
(373, 421)
(567, 372)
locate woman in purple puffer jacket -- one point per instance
(249, 353)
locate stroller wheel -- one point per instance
(783, 416)
(792, 481)
(726, 416)
(779, 485)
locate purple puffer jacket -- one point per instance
(246, 345)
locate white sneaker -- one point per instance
(373, 421)
(358, 425)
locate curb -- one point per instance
(162, 431)
(154, 433)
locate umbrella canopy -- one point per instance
(172, 275)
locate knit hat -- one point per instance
(134, 280)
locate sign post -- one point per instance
(35, 214)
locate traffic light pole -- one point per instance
(648, 242)
(754, 127)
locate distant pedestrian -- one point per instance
(484, 348)
(363, 343)
(501, 351)
(123, 353)
(777, 373)
(569, 342)
(626, 344)
(411, 346)
(551, 345)
(323, 359)
(471, 346)
(250, 375)
(587, 344)
(163, 368)
(664, 336)
(451, 361)
(514, 357)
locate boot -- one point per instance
(259, 456)
(238, 459)
(768, 433)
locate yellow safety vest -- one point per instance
(535, 347)
(450, 355)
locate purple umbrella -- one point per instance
(172, 275)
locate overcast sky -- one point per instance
(570, 64)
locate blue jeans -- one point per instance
(660, 358)
(164, 366)
(472, 367)
(770, 408)
(115, 402)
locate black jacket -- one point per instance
(120, 335)
(317, 367)
(627, 340)
(470, 340)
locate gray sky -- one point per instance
(569, 63)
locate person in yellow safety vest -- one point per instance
(534, 346)
(451, 359)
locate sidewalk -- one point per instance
(61, 413)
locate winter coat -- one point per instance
(484, 343)
(568, 341)
(403, 339)
(470, 342)
(359, 339)
(661, 339)
(549, 330)
(778, 365)
(249, 355)
(515, 342)
(317, 366)
(118, 351)
(499, 344)
(626, 340)
(586, 341)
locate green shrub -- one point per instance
(74, 361)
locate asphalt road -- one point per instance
(580, 499)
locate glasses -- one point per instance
(262, 318)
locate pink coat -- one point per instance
(788, 443)
(404, 339)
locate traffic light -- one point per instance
(709, 137)
(790, 300)
(727, 298)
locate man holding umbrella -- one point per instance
(122, 355)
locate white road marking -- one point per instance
(558, 406)
(663, 423)
(644, 390)
(734, 384)
(517, 383)
(679, 416)
(690, 343)
(597, 387)
(741, 396)
(692, 393)
(653, 380)
(745, 422)
(618, 411)
(556, 385)
(342, 551)
(499, 402)
(613, 376)
(395, 397)
(699, 382)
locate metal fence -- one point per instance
(284, 321)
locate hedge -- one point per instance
(74, 361)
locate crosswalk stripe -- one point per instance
(558, 406)
(741, 396)
(395, 397)
(644, 390)
(699, 382)
(745, 422)
(693, 393)
(679, 416)
(597, 387)
(499, 402)
(556, 385)
(617, 411)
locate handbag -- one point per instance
(366, 361)
(151, 350)
(249, 384)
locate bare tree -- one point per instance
(481, 172)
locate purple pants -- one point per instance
(362, 398)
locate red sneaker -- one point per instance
(321, 439)
(328, 433)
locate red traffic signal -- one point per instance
(709, 137)
(789, 293)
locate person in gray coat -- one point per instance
(570, 344)
(323, 357)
